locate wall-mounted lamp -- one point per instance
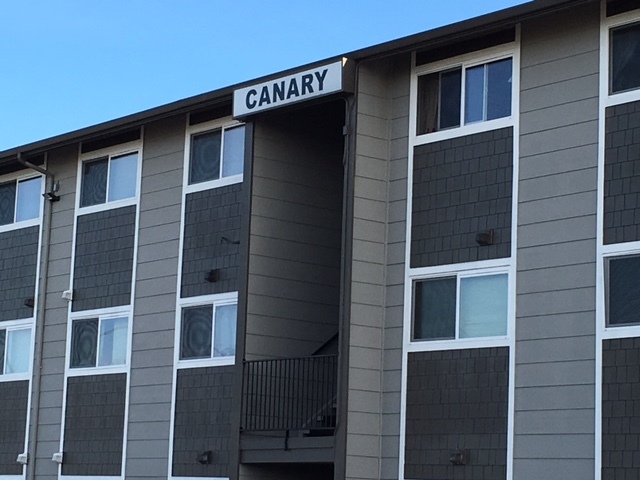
(459, 457)
(29, 302)
(211, 276)
(205, 458)
(484, 238)
(67, 295)
(57, 457)
(23, 458)
(51, 196)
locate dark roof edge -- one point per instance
(492, 20)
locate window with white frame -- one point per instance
(99, 341)
(464, 94)
(624, 58)
(215, 154)
(622, 290)
(20, 200)
(15, 350)
(208, 329)
(109, 178)
(460, 305)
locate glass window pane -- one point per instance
(450, 91)
(474, 94)
(2, 341)
(225, 331)
(428, 103)
(625, 58)
(84, 342)
(195, 340)
(113, 341)
(123, 174)
(18, 350)
(7, 202)
(205, 157)
(233, 154)
(499, 89)
(483, 306)
(624, 291)
(29, 199)
(94, 183)
(435, 309)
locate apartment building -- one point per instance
(414, 261)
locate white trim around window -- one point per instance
(110, 154)
(14, 329)
(223, 125)
(466, 61)
(18, 177)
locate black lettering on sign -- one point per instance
(249, 100)
(264, 96)
(321, 77)
(278, 91)
(293, 89)
(307, 80)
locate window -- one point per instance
(464, 95)
(99, 342)
(460, 306)
(15, 350)
(109, 179)
(208, 331)
(216, 154)
(623, 290)
(20, 200)
(625, 57)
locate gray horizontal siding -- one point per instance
(555, 324)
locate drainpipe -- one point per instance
(40, 314)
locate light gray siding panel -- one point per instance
(555, 342)
(155, 297)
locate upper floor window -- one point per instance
(100, 341)
(624, 58)
(109, 179)
(622, 291)
(464, 95)
(208, 329)
(15, 350)
(20, 200)
(215, 154)
(461, 305)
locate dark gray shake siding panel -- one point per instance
(622, 174)
(556, 269)
(104, 259)
(457, 399)
(94, 425)
(18, 261)
(203, 423)
(621, 409)
(462, 187)
(14, 397)
(211, 241)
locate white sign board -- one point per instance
(286, 90)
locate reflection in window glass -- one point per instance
(94, 183)
(84, 342)
(225, 331)
(113, 341)
(475, 94)
(233, 154)
(623, 296)
(122, 177)
(499, 88)
(625, 58)
(450, 88)
(29, 199)
(205, 157)
(7, 202)
(483, 306)
(18, 345)
(195, 339)
(3, 334)
(435, 309)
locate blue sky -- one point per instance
(68, 64)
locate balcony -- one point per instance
(289, 410)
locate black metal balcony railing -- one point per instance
(290, 394)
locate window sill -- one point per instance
(206, 362)
(19, 225)
(107, 206)
(210, 185)
(87, 371)
(457, 344)
(473, 128)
